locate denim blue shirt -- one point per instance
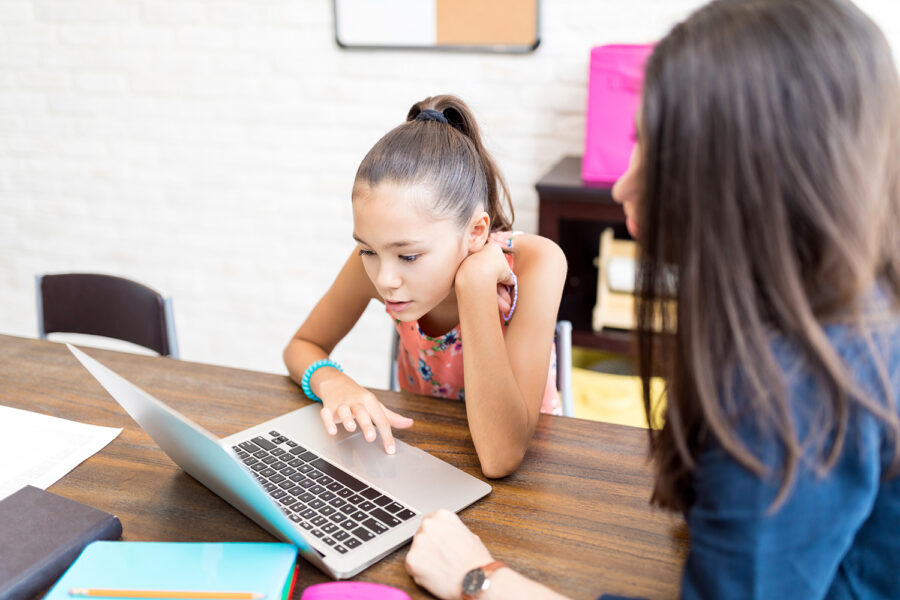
(835, 536)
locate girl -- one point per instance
(435, 246)
(765, 194)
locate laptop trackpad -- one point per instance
(412, 475)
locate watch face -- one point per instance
(473, 581)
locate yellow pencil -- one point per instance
(191, 595)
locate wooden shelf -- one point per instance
(573, 213)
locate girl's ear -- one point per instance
(478, 231)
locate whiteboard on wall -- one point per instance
(473, 25)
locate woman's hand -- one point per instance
(442, 552)
(346, 402)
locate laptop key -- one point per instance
(382, 501)
(260, 454)
(277, 478)
(344, 492)
(308, 513)
(269, 459)
(327, 510)
(287, 500)
(250, 461)
(369, 494)
(318, 520)
(295, 518)
(405, 514)
(291, 443)
(340, 535)
(306, 497)
(348, 509)
(278, 494)
(394, 507)
(356, 499)
(287, 484)
(339, 474)
(348, 524)
(274, 433)
(316, 489)
(366, 506)
(278, 451)
(337, 517)
(352, 543)
(359, 515)
(249, 446)
(306, 525)
(329, 541)
(375, 525)
(325, 480)
(317, 504)
(329, 528)
(303, 467)
(341, 549)
(296, 450)
(317, 532)
(334, 486)
(327, 496)
(263, 443)
(296, 462)
(268, 472)
(270, 486)
(287, 471)
(296, 490)
(278, 465)
(338, 502)
(386, 518)
(363, 534)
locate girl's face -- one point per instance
(411, 256)
(626, 191)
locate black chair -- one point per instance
(107, 306)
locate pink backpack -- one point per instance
(614, 92)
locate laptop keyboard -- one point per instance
(323, 499)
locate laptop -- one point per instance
(341, 500)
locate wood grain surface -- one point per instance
(575, 516)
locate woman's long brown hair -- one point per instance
(770, 140)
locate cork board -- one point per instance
(473, 25)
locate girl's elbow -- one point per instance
(496, 467)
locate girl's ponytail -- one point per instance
(440, 146)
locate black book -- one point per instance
(41, 533)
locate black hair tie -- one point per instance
(431, 115)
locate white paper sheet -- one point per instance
(37, 449)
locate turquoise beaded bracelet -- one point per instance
(308, 373)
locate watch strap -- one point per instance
(488, 570)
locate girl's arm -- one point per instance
(506, 378)
(343, 400)
(444, 550)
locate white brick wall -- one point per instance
(207, 149)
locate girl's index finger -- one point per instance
(384, 428)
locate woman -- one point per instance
(765, 194)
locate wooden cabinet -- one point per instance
(574, 214)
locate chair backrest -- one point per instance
(107, 306)
(563, 337)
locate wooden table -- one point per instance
(574, 516)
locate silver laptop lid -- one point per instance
(197, 451)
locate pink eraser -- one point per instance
(352, 590)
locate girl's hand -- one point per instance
(345, 401)
(442, 552)
(489, 263)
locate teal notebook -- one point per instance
(261, 568)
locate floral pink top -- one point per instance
(433, 366)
